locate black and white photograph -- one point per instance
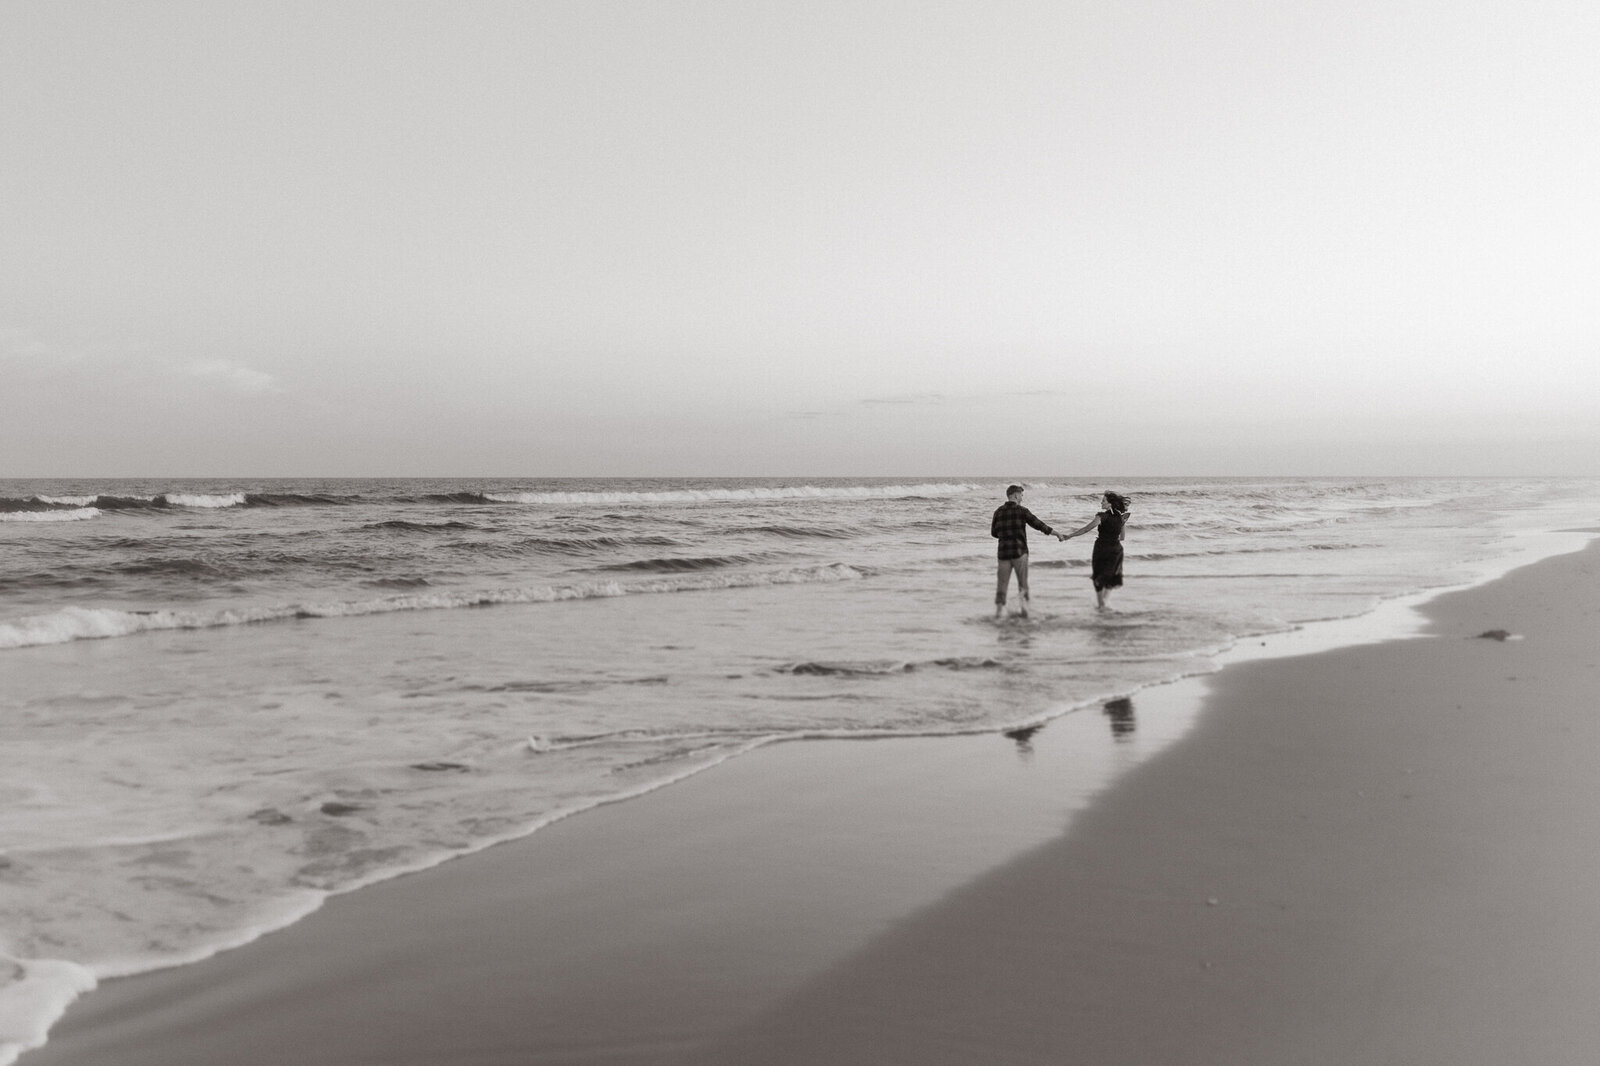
(735, 533)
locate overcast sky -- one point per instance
(742, 238)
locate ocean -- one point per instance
(223, 700)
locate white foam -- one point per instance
(68, 501)
(88, 623)
(783, 492)
(200, 499)
(38, 991)
(33, 994)
(50, 516)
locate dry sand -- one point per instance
(1382, 854)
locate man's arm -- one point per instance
(1028, 517)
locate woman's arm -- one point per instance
(1095, 521)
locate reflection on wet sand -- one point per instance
(1024, 737)
(1120, 711)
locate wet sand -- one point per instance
(1385, 853)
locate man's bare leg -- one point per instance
(1020, 565)
(1002, 580)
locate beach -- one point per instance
(1379, 853)
(510, 548)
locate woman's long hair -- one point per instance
(1118, 502)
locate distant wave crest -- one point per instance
(566, 545)
(293, 499)
(129, 503)
(215, 500)
(119, 502)
(799, 532)
(12, 504)
(205, 499)
(405, 526)
(456, 497)
(780, 492)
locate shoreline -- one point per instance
(1381, 853)
(816, 781)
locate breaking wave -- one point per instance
(570, 545)
(888, 667)
(89, 623)
(679, 564)
(75, 514)
(1277, 549)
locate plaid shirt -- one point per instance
(1010, 524)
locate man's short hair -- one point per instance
(1012, 490)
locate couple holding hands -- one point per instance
(1010, 526)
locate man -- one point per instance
(1010, 526)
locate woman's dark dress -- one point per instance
(1107, 556)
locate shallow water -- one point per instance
(223, 700)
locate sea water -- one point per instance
(223, 700)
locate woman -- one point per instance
(1107, 558)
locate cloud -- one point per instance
(232, 377)
(81, 366)
(23, 351)
(939, 399)
(920, 398)
(22, 347)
